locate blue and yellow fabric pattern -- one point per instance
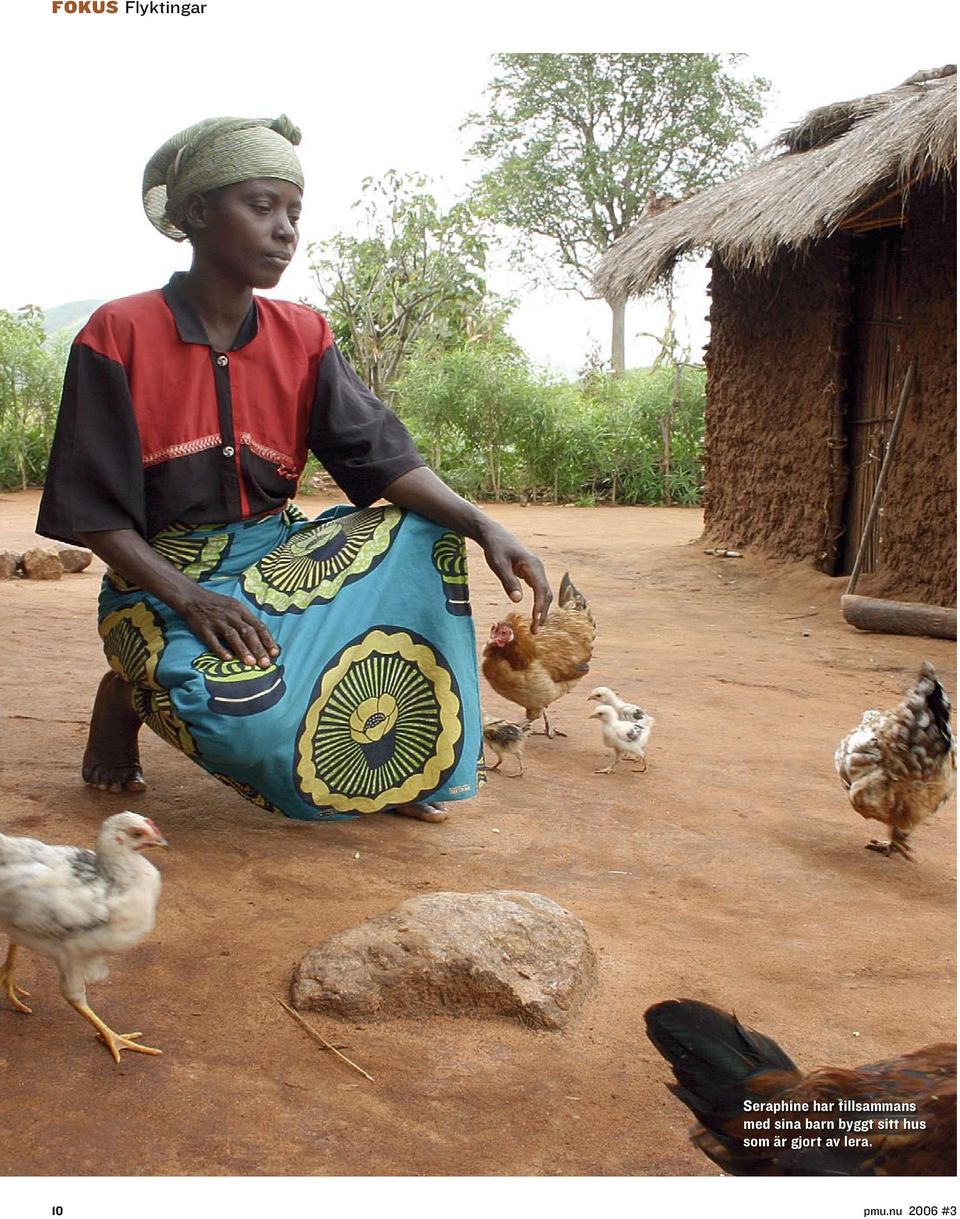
(373, 700)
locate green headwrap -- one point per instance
(212, 153)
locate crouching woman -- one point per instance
(321, 668)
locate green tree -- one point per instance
(31, 373)
(581, 144)
(413, 280)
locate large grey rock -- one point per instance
(502, 953)
(74, 558)
(40, 564)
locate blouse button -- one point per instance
(222, 361)
(228, 450)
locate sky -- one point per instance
(85, 99)
(88, 97)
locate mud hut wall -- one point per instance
(918, 525)
(771, 381)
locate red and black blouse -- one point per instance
(157, 427)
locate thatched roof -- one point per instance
(837, 160)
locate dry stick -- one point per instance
(885, 466)
(326, 1044)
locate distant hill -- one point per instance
(67, 319)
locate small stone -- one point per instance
(40, 564)
(504, 953)
(74, 558)
(9, 563)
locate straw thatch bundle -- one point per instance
(839, 159)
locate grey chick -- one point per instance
(505, 737)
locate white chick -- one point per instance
(626, 739)
(505, 737)
(624, 710)
(75, 905)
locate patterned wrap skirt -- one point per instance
(373, 700)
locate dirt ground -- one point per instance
(732, 871)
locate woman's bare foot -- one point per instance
(421, 812)
(111, 761)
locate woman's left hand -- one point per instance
(422, 491)
(511, 561)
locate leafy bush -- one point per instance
(494, 428)
(31, 373)
(487, 422)
(473, 412)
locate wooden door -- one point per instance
(875, 374)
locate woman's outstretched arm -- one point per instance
(422, 491)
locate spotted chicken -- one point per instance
(719, 1065)
(627, 738)
(535, 670)
(75, 906)
(900, 766)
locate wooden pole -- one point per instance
(885, 466)
(837, 444)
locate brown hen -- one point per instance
(535, 670)
(900, 766)
(892, 1118)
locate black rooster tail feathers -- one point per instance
(719, 1065)
(712, 1054)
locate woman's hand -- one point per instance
(511, 561)
(422, 491)
(227, 627)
